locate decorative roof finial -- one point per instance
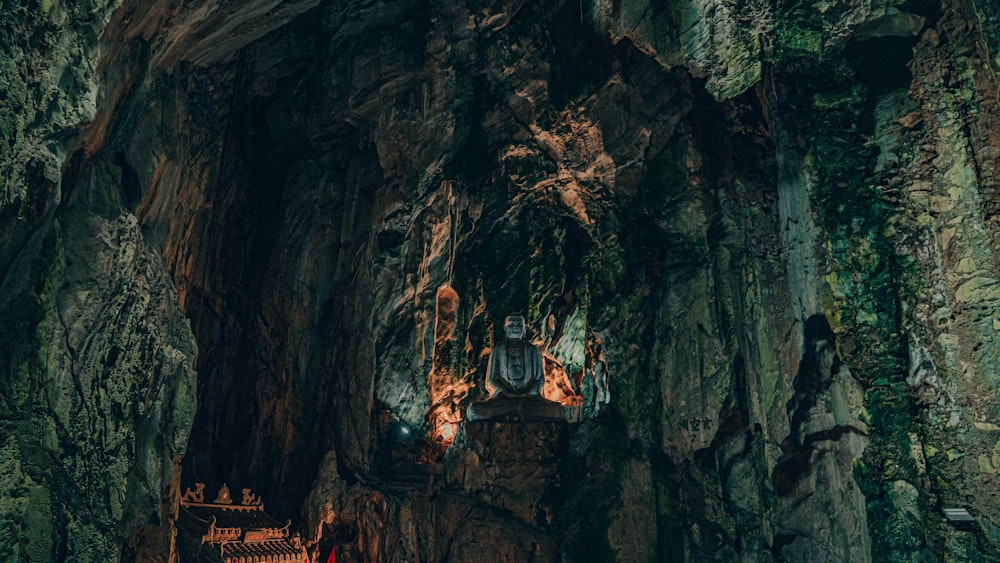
(197, 495)
(250, 499)
(224, 497)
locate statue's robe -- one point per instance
(515, 376)
(515, 368)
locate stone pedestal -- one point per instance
(514, 466)
(512, 409)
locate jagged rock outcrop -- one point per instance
(755, 240)
(513, 466)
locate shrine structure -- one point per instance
(222, 531)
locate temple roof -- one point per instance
(249, 515)
(276, 549)
(239, 533)
(232, 517)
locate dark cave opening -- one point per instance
(237, 340)
(882, 63)
(582, 59)
(473, 159)
(276, 281)
(131, 191)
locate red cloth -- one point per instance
(333, 555)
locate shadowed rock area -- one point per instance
(272, 244)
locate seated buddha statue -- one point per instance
(515, 375)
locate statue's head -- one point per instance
(513, 326)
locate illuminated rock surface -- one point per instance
(755, 240)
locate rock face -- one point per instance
(755, 241)
(512, 466)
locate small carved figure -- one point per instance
(197, 495)
(224, 497)
(250, 499)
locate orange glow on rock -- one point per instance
(558, 386)
(446, 433)
(447, 391)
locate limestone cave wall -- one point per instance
(239, 240)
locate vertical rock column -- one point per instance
(446, 393)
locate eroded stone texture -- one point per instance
(510, 465)
(95, 419)
(97, 358)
